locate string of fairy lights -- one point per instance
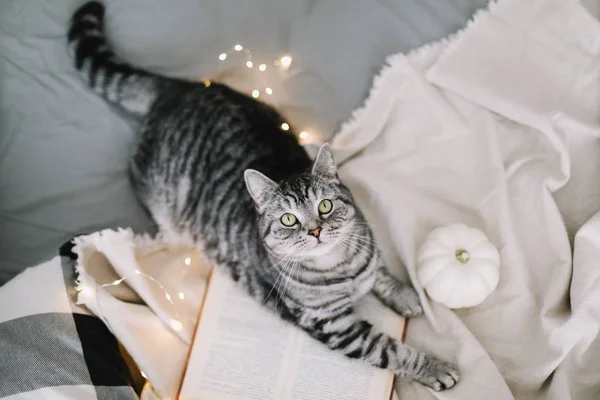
(282, 63)
(174, 323)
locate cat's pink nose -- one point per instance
(315, 232)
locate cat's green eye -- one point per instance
(288, 219)
(325, 206)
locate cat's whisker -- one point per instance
(288, 273)
(369, 252)
(296, 262)
(280, 276)
(364, 246)
(370, 240)
(366, 240)
(272, 288)
(349, 242)
(282, 272)
(274, 266)
(346, 243)
(282, 293)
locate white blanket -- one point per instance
(148, 292)
(497, 128)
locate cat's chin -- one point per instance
(320, 249)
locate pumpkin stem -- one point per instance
(462, 256)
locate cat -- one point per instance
(290, 234)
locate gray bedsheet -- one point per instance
(63, 150)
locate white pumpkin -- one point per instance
(458, 266)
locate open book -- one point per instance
(242, 351)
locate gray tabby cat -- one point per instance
(295, 240)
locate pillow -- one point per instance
(51, 348)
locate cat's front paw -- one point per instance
(437, 374)
(408, 304)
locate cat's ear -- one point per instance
(324, 164)
(258, 185)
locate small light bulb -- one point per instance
(238, 47)
(177, 325)
(207, 83)
(286, 61)
(143, 374)
(249, 64)
(268, 90)
(181, 295)
(222, 56)
(168, 296)
(255, 93)
(303, 135)
(285, 126)
(188, 261)
(262, 67)
(137, 272)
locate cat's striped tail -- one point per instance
(132, 89)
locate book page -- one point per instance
(242, 351)
(322, 374)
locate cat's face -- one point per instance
(307, 216)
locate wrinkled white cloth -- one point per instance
(148, 291)
(496, 127)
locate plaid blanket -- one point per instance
(52, 348)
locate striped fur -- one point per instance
(213, 166)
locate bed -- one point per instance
(495, 127)
(64, 151)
